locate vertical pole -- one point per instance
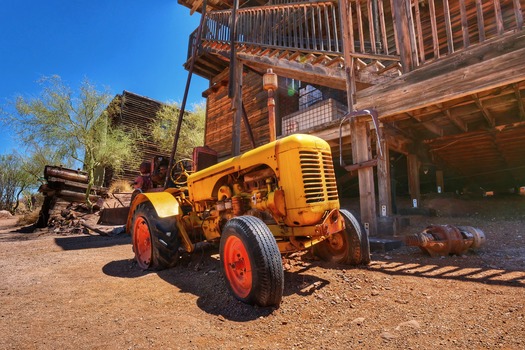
(237, 108)
(344, 6)
(270, 84)
(233, 33)
(361, 152)
(413, 180)
(440, 182)
(186, 91)
(383, 179)
(403, 35)
(271, 115)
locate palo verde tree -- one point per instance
(191, 133)
(13, 181)
(22, 174)
(74, 125)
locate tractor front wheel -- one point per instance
(155, 240)
(251, 262)
(350, 246)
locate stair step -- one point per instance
(294, 56)
(320, 59)
(283, 54)
(274, 53)
(265, 52)
(308, 58)
(335, 61)
(393, 66)
(375, 66)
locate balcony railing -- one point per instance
(312, 26)
(415, 31)
(441, 27)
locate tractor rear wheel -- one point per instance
(350, 246)
(251, 262)
(155, 240)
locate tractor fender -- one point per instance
(164, 203)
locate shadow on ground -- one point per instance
(200, 275)
(469, 268)
(90, 242)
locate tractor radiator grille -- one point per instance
(318, 176)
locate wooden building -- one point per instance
(446, 78)
(135, 111)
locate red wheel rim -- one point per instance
(337, 243)
(237, 266)
(142, 242)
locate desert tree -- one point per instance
(192, 129)
(73, 125)
(13, 181)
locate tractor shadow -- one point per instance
(200, 274)
(91, 241)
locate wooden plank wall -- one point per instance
(132, 110)
(220, 116)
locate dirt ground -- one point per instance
(85, 292)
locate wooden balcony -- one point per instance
(437, 71)
(411, 32)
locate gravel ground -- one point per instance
(85, 292)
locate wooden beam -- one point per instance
(349, 72)
(237, 109)
(429, 125)
(383, 178)
(440, 182)
(402, 29)
(456, 120)
(433, 128)
(195, 6)
(361, 152)
(366, 164)
(491, 121)
(321, 75)
(413, 180)
(519, 99)
(443, 81)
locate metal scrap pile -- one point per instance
(68, 220)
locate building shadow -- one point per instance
(467, 269)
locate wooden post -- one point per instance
(348, 43)
(237, 109)
(440, 182)
(361, 152)
(413, 180)
(403, 34)
(270, 84)
(383, 179)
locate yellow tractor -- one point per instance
(278, 198)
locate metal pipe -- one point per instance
(65, 174)
(186, 90)
(440, 240)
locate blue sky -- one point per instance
(134, 45)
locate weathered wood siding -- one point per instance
(220, 116)
(134, 111)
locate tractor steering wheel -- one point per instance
(181, 170)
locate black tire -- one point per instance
(163, 236)
(350, 246)
(251, 262)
